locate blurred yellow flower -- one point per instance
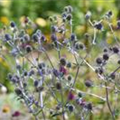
(41, 22)
(6, 109)
(109, 40)
(22, 18)
(48, 38)
(1, 60)
(5, 3)
(29, 31)
(3, 63)
(4, 20)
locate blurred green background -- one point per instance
(16, 9)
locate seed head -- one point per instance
(118, 61)
(12, 24)
(106, 57)
(8, 37)
(26, 20)
(70, 9)
(80, 94)
(88, 15)
(70, 108)
(28, 48)
(105, 50)
(112, 76)
(58, 85)
(43, 38)
(53, 37)
(88, 83)
(35, 37)
(36, 83)
(25, 73)
(69, 78)
(66, 9)
(115, 50)
(118, 24)
(64, 15)
(109, 14)
(31, 72)
(71, 96)
(98, 26)
(18, 91)
(98, 60)
(56, 72)
(73, 37)
(9, 76)
(69, 17)
(26, 37)
(69, 65)
(89, 106)
(54, 28)
(63, 61)
(99, 71)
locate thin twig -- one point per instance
(108, 103)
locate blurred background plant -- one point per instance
(39, 12)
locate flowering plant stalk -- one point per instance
(44, 82)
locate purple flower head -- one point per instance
(35, 37)
(63, 70)
(68, 9)
(115, 50)
(82, 102)
(89, 83)
(99, 60)
(88, 106)
(36, 103)
(88, 15)
(27, 37)
(73, 37)
(64, 15)
(118, 24)
(69, 17)
(12, 24)
(40, 72)
(54, 29)
(98, 26)
(43, 38)
(16, 114)
(105, 57)
(36, 82)
(28, 48)
(63, 61)
(18, 91)
(69, 65)
(109, 14)
(31, 72)
(71, 96)
(15, 79)
(8, 37)
(26, 20)
(14, 52)
(112, 76)
(56, 72)
(53, 37)
(71, 108)
(38, 32)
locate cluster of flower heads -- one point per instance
(44, 83)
